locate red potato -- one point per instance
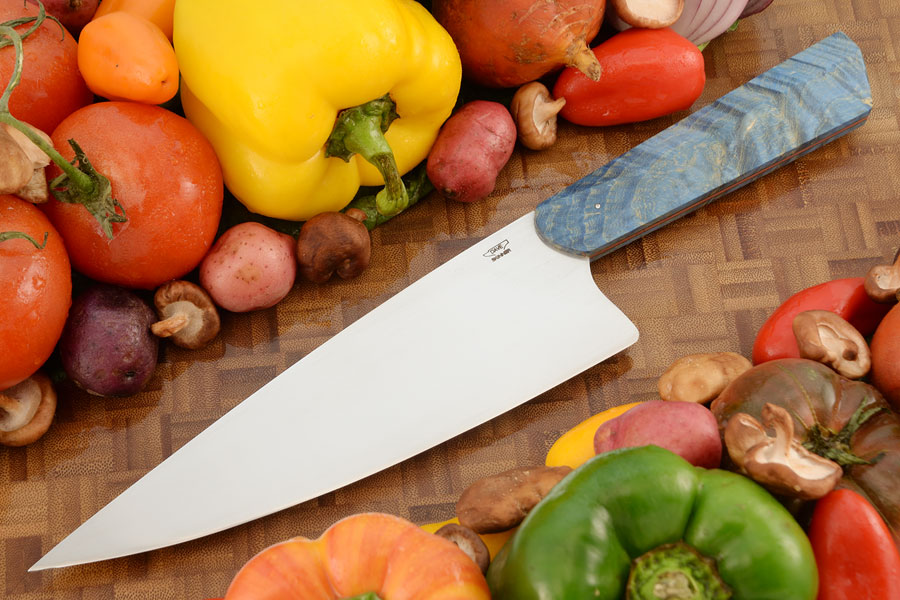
(471, 149)
(685, 428)
(250, 267)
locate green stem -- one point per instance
(9, 235)
(79, 182)
(417, 187)
(836, 446)
(367, 596)
(37, 20)
(360, 130)
(675, 572)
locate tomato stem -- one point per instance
(41, 16)
(80, 184)
(9, 235)
(836, 446)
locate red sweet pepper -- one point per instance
(647, 73)
(845, 297)
(855, 554)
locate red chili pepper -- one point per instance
(855, 554)
(845, 297)
(647, 73)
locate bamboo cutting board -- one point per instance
(702, 284)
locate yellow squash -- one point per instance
(265, 84)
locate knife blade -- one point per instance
(515, 315)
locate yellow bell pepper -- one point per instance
(576, 446)
(265, 83)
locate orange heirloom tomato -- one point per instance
(369, 555)
(123, 56)
(35, 290)
(159, 12)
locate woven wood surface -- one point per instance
(705, 283)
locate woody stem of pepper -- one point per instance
(76, 177)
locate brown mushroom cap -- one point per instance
(828, 338)
(498, 503)
(649, 14)
(187, 315)
(26, 410)
(779, 463)
(882, 282)
(333, 242)
(469, 542)
(534, 112)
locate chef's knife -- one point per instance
(509, 318)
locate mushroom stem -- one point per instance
(170, 326)
(26, 410)
(16, 413)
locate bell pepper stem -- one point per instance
(367, 596)
(80, 184)
(10, 235)
(675, 572)
(417, 187)
(360, 130)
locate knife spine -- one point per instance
(762, 125)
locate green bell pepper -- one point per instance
(647, 521)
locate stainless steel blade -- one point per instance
(506, 320)
(512, 316)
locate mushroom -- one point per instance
(334, 242)
(469, 542)
(498, 503)
(15, 166)
(883, 282)
(649, 14)
(701, 378)
(187, 315)
(26, 410)
(534, 111)
(35, 188)
(826, 337)
(779, 463)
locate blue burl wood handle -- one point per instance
(808, 100)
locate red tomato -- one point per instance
(35, 294)
(647, 73)
(855, 554)
(166, 176)
(845, 297)
(51, 86)
(885, 346)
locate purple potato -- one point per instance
(107, 347)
